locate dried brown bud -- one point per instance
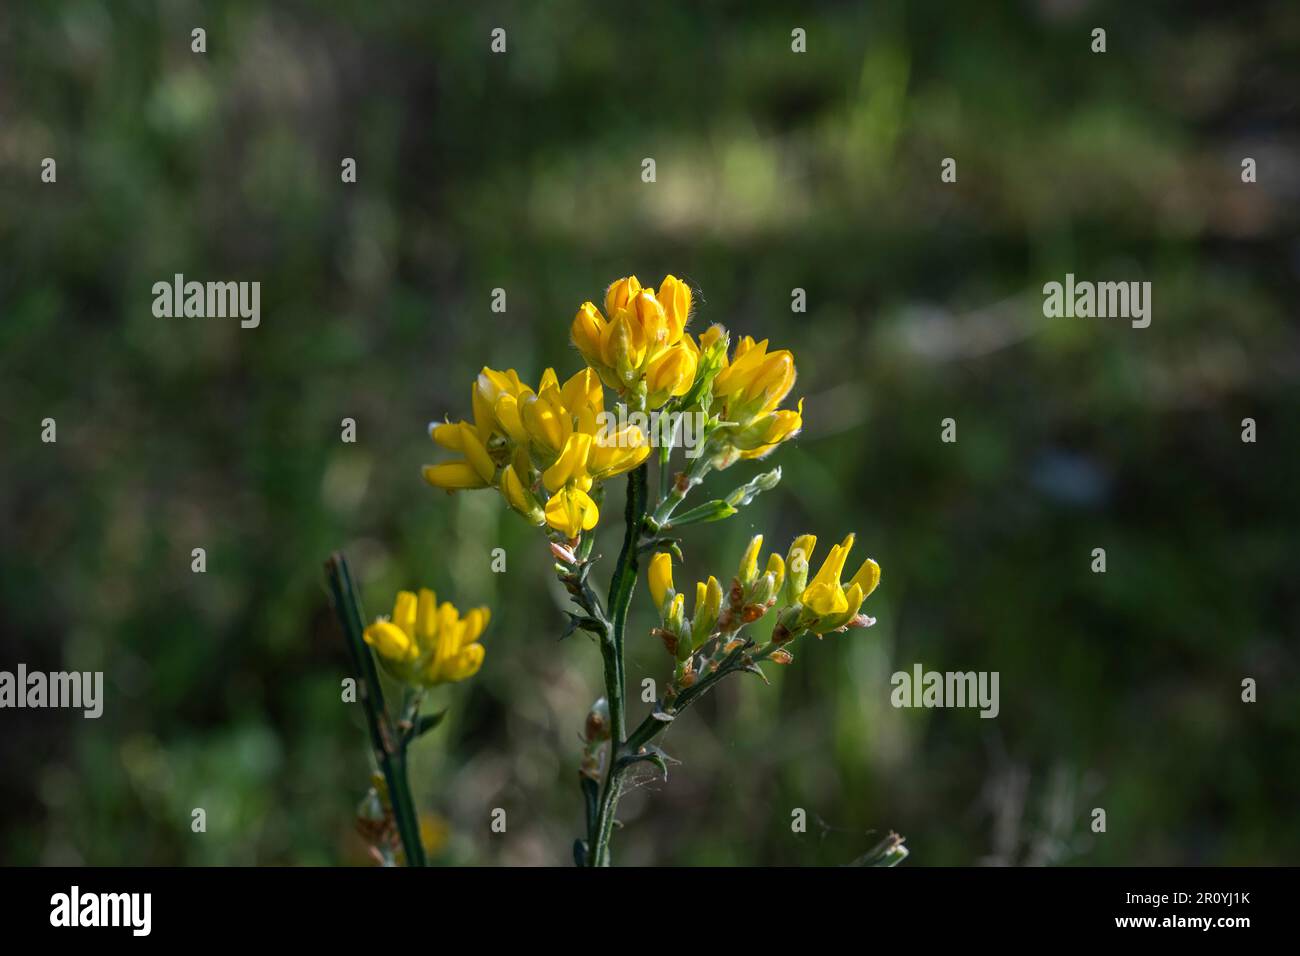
(752, 612)
(668, 637)
(596, 729)
(780, 656)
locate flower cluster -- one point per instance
(542, 449)
(703, 642)
(642, 349)
(748, 392)
(426, 643)
(548, 451)
(824, 605)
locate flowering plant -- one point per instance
(549, 451)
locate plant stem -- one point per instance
(694, 474)
(621, 586)
(644, 733)
(388, 743)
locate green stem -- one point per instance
(387, 742)
(621, 586)
(694, 474)
(665, 472)
(644, 733)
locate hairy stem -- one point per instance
(386, 740)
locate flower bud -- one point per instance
(763, 590)
(708, 604)
(676, 298)
(619, 294)
(676, 618)
(586, 331)
(660, 578)
(519, 497)
(596, 730)
(749, 562)
(796, 566)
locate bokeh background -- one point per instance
(774, 171)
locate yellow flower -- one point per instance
(542, 448)
(827, 605)
(670, 375)
(639, 345)
(660, 577)
(571, 511)
(708, 605)
(519, 497)
(748, 569)
(425, 643)
(749, 391)
(613, 453)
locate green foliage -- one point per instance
(775, 170)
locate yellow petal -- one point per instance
(519, 497)
(660, 577)
(453, 476)
(390, 643)
(476, 454)
(508, 417)
(867, 578)
(652, 319)
(749, 561)
(404, 612)
(571, 511)
(446, 434)
(464, 665)
(776, 568)
(675, 295)
(620, 293)
(476, 622)
(825, 599)
(571, 464)
(426, 619)
(583, 393)
(586, 330)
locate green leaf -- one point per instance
(714, 510)
(427, 722)
(648, 754)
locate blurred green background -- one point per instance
(775, 171)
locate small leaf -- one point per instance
(580, 852)
(581, 622)
(427, 722)
(714, 510)
(648, 754)
(755, 669)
